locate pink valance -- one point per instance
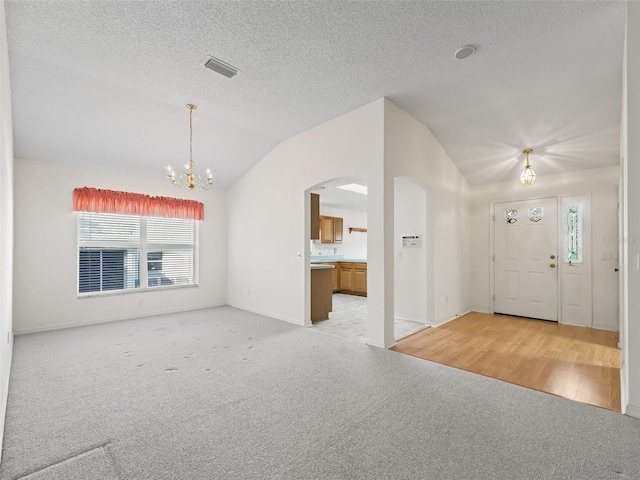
(109, 201)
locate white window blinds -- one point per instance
(171, 251)
(110, 247)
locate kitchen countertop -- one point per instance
(326, 258)
(315, 266)
(341, 260)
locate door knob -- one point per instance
(552, 257)
(553, 265)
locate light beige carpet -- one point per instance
(226, 394)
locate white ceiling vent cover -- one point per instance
(220, 67)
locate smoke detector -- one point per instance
(464, 52)
(220, 67)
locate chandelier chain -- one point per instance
(191, 107)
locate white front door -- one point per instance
(526, 258)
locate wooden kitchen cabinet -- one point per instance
(359, 278)
(337, 229)
(326, 229)
(346, 277)
(331, 229)
(353, 278)
(335, 284)
(315, 216)
(321, 294)
(349, 277)
(335, 276)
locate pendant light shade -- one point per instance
(528, 176)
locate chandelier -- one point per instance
(189, 177)
(528, 176)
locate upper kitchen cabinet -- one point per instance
(331, 229)
(315, 216)
(337, 229)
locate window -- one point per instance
(111, 246)
(536, 214)
(573, 234)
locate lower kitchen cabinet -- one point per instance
(346, 277)
(353, 278)
(359, 280)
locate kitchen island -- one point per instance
(321, 292)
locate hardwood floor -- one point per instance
(581, 364)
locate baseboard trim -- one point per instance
(442, 322)
(480, 310)
(294, 321)
(598, 326)
(115, 319)
(410, 318)
(561, 322)
(632, 411)
(603, 326)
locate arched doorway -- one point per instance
(342, 244)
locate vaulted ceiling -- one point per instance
(103, 84)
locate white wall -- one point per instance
(6, 223)
(412, 151)
(410, 218)
(46, 251)
(632, 150)
(354, 245)
(377, 142)
(603, 185)
(268, 206)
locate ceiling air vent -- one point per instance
(220, 67)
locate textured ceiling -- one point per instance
(103, 84)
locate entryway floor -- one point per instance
(578, 363)
(349, 319)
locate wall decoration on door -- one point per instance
(536, 214)
(511, 215)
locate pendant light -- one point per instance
(528, 176)
(189, 177)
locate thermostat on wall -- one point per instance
(411, 241)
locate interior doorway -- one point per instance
(342, 245)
